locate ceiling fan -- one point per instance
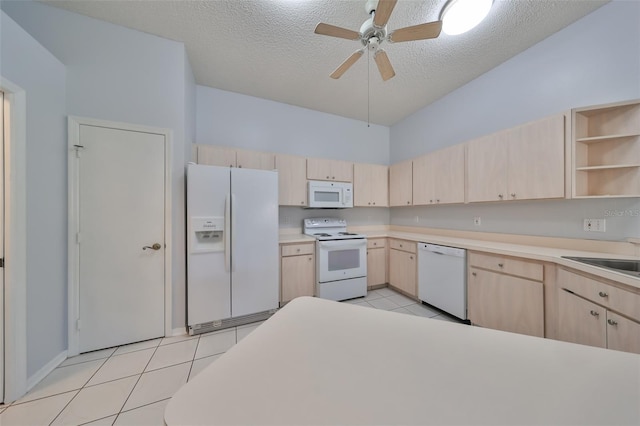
(374, 32)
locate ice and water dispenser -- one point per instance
(207, 234)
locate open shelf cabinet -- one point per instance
(606, 150)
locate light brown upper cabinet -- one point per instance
(334, 170)
(438, 177)
(216, 156)
(370, 185)
(523, 163)
(230, 157)
(606, 150)
(401, 184)
(255, 160)
(292, 180)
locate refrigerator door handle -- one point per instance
(233, 231)
(227, 232)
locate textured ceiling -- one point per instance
(267, 48)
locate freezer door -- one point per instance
(208, 278)
(254, 241)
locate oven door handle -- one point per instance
(343, 244)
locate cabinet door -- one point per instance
(334, 170)
(341, 171)
(505, 303)
(255, 160)
(423, 180)
(580, 321)
(448, 175)
(216, 156)
(376, 266)
(379, 185)
(536, 160)
(292, 180)
(487, 168)
(622, 333)
(297, 277)
(362, 185)
(402, 271)
(401, 184)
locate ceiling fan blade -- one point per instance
(384, 65)
(347, 64)
(383, 12)
(416, 32)
(333, 31)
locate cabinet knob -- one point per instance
(239, 166)
(302, 202)
(603, 294)
(594, 313)
(375, 244)
(411, 257)
(400, 245)
(298, 250)
(327, 177)
(437, 201)
(501, 265)
(431, 201)
(513, 195)
(474, 274)
(500, 196)
(333, 177)
(369, 203)
(374, 203)
(612, 322)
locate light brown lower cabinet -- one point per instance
(507, 303)
(376, 262)
(592, 312)
(403, 266)
(497, 299)
(297, 271)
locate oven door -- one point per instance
(341, 259)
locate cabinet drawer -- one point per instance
(408, 246)
(297, 249)
(616, 299)
(508, 265)
(376, 243)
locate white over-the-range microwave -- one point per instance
(330, 195)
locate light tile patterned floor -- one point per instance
(131, 384)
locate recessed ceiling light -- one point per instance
(459, 16)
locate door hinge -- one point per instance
(78, 324)
(1, 262)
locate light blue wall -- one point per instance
(118, 74)
(231, 119)
(24, 62)
(595, 60)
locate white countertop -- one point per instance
(318, 362)
(539, 253)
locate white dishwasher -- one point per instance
(442, 278)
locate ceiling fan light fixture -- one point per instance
(459, 16)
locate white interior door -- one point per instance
(121, 205)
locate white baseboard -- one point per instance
(179, 331)
(44, 371)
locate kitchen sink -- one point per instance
(629, 267)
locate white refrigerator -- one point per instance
(232, 246)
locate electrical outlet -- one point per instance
(477, 221)
(595, 225)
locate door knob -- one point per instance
(156, 246)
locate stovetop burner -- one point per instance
(322, 234)
(346, 233)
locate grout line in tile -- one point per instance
(138, 381)
(95, 420)
(150, 403)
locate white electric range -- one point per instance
(341, 259)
